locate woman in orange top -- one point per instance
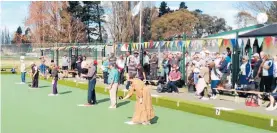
(144, 111)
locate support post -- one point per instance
(184, 58)
(41, 52)
(57, 57)
(235, 62)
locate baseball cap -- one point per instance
(256, 55)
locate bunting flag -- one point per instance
(171, 44)
(240, 41)
(233, 42)
(245, 40)
(151, 44)
(167, 44)
(226, 42)
(145, 44)
(219, 42)
(268, 41)
(188, 43)
(252, 41)
(157, 44)
(214, 42)
(260, 41)
(134, 45)
(162, 43)
(274, 41)
(138, 45)
(176, 43)
(180, 44)
(124, 48)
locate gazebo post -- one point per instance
(235, 62)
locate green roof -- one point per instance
(237, 30)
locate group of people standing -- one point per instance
(143, 110)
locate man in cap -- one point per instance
(91, 76)
(136, 57)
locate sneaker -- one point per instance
(112, 107)
(51, 94)
(56, 94)
(213, 97)
(204, 98)
(22, 83)
(88, 104)
(270, 108)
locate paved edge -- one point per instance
(238, 116)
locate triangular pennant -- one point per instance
(214, 42)
(137, 45)
(180, 44)
(188, 43)
(171, 44)
(240, 42)
(252, 40)
(245, 40)
(176, 43)
(268, 41)
(219, 42)
(162, 43)
(167, 44)
(260, 41)
(151, 44)
(226, 42)
(145, 44)
(273, 41)
(134, 45)
(233, 42)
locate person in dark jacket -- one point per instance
(55, 77)
(35, 75)
(224, 67)
(256, 67)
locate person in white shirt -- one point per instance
(120, 63)
(215, 78)
(136, 57)
(217, 59)
(65, 64)
(23, 71)
(146, 64)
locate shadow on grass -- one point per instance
(103, 100)
(45, 86)
(66, 92)
(122, 103)
(153, 121)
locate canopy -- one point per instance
(267, 30)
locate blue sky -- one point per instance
(14, 13)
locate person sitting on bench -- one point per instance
(174, 77)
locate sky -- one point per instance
(13, 14)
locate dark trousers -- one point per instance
(146, 68)
(55, 88)
(91, 91)
(35, 82)
(105, 76)
(121, 77)
(128, 85)
(173, 86)
(266, 84)
(23, 75)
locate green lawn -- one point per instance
(32, 111)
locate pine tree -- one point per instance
(163, 9)
(183, 5)
(19, 30)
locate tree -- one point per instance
(198, 11)
(244, 18)
(163, 9)
(208, 25)
(173, 24)
(183, 5)
(19, 30)
(268, 7)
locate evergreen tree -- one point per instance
(163, 9)
(19, 30)
(183, 5)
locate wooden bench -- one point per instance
(5, 68)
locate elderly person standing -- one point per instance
(91, 76)
(132, 70)
(258, 61)
(65, 64)
(154, 67)
(35, 75)
(23, 70)
(165, 65)
(55, 77)
(146, 64)
(245, 71)
(113, 85)
(215, 78)
(267, 74)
